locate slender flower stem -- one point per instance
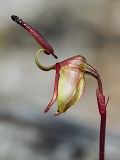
(102, 136)
(102, 106)
(102, 109)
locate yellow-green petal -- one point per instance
(70, 87)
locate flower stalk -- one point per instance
(69, 83)
(102, 110)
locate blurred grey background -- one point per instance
(80, 27)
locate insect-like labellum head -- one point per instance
(38, 37)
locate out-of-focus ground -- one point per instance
(88, 28)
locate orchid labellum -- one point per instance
(69, 81)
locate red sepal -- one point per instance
(55, 93)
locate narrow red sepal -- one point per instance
(55, 93)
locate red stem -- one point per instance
(102, 110)
(102, 136)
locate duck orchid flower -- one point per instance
(69, 81)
